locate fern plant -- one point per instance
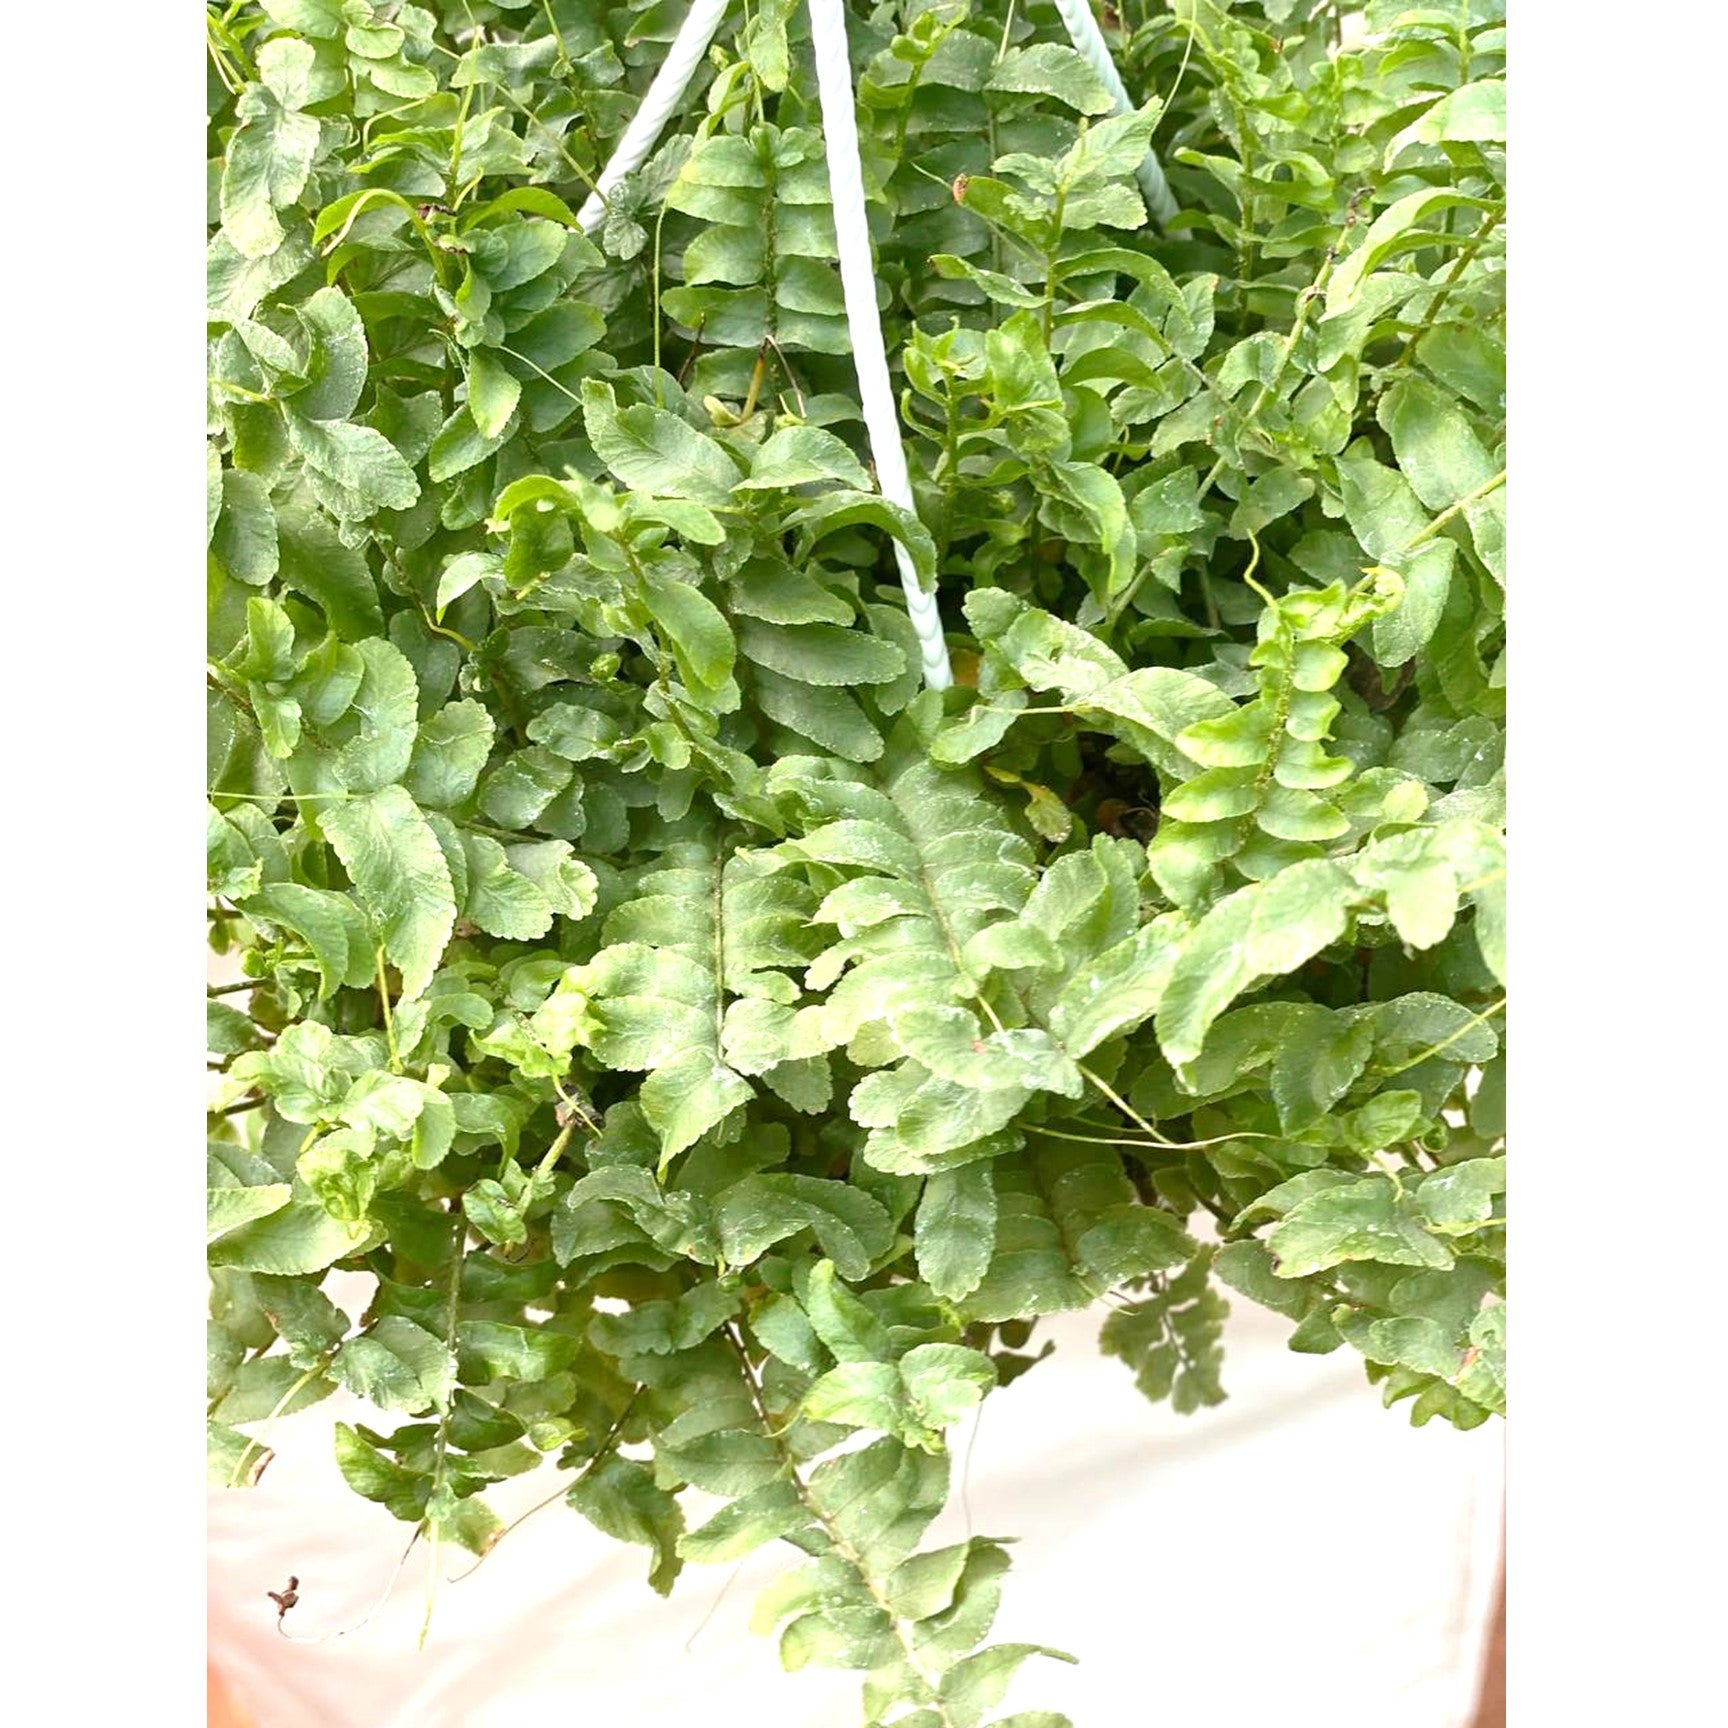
(719, 1051)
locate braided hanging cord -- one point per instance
(864, 323)
(701, 23)
(1084, 33)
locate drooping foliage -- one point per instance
(718, 1051)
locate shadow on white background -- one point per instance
(1297, 1555)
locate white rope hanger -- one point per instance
(1088, 39)
(852, 235)
(863, 319)
(701, 24)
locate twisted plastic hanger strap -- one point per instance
(863, 321)
(857, 268)
(701, 23)
(1083, 32)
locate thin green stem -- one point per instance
(1445, 1043)
(601, 1453)
(455, 175)
(1181, 72)
(1245, 206)
(1248, 576)
(841, 1544)
(576, 169)
(374, 196)
(441, 1448)
(1304, 305)
(1161, 1145)
(230, 71)
(1124, 1106)
(552, 1153)
(239, 390)
(542, 373)
(658, 320)
(443, 630)
(552, 25)
(229, 681)
(1432, 313)
(1492, 484)
(389, 1018)
(1089, 1139)
(1052, 268)
(270, 1421)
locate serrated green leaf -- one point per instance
(362, 462)
(656, 451)
(230, 1207)
(820, 653)
(801, 456)
(696, 628)
(301, 1237)
(1258, 932)
(245, 539)
(956, 1230)
(619, 1498)
(329, 924)
(973, 1687)
(336, 371)
(1365, 1220)
(761, 1516)
(1052, 69)
(400, 878)
(1460, 1198)
(493, 392)
(450, 749)
(1471, 113)
(851, 1228)
(397, 1366)
(269, 157)
(371, 1473)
